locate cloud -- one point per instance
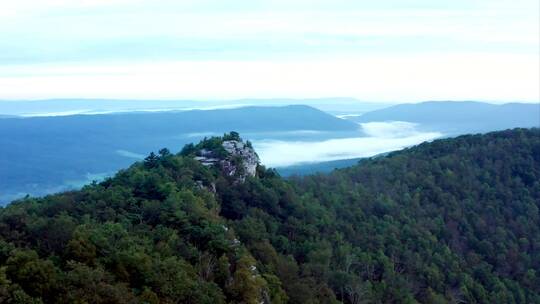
(382, 137)
(395, 129)
(379, 50)
(180, 30)
(129, 154)
(480, 76)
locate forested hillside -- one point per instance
(452, 221)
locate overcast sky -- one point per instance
(394, 50)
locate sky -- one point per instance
(376, 51)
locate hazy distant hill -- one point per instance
(70, 106)
(459, 117)
(43, 154)
(50, 107)
(321, 167)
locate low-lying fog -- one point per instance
(378, 137)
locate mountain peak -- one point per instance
(229, 153)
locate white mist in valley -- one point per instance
(380, 137)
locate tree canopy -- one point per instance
(451, 221)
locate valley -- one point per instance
(46, 153)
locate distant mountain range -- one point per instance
(455, 118)
(47, 154)
(72, 106)
(313, 168)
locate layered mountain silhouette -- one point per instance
(455, 118)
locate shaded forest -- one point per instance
(451, 221)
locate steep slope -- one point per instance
(459, 117)
(456, 220)
(152, 234)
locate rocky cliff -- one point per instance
(234, 157)
(247, 157)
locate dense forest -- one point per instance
(451, 221)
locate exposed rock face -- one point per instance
(207, 161)
(242, 161)
(249, 158)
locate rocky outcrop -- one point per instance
(246, 154)
(241, 160)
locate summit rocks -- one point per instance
(234, 157)
(247, 156)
